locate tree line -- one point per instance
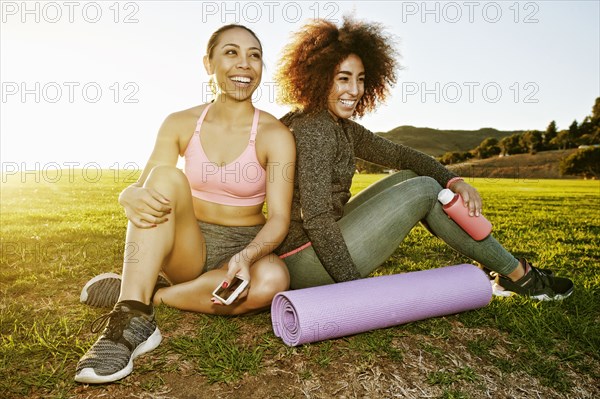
(584, 135)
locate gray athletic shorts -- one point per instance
(222, 242)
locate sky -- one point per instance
(88, 84)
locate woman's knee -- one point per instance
(274, 274)
(167, 177)
(271, 278)
(404, 174)
(424, 187)
(430, 182)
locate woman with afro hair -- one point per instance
(330, 75)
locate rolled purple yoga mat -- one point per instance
(337, 310)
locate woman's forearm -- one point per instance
(267, 239)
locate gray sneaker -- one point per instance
(537, 283)
(130, 332)
(103, 290)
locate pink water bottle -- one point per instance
(477, 227)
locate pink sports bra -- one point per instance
(239, 183)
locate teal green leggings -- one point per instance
(377, 220)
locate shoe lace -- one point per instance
(114, 322)
(543, 279)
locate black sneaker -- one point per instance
(103, 290)
(536, 283)
(130, 333)
(492, 274)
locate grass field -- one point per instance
(59, 231)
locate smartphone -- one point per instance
(233, 290)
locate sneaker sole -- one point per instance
(87, 296)
(89, 376)
(501, 292)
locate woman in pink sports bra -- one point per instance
(188, 233)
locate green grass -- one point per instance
(56, 235)
(215, 350)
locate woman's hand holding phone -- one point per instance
(227, 294)
(238, 274)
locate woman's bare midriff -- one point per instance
(227, 215)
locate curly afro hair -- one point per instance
(308, 63)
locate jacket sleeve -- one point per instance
(316, 151)
(376, 149)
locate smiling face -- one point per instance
(235, 64)
(348, 87)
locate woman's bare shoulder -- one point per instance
(186, 114)
(270, 125)
(179, 121)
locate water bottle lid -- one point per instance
(445, 196)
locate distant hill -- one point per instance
(437, 142)
(543, 165)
